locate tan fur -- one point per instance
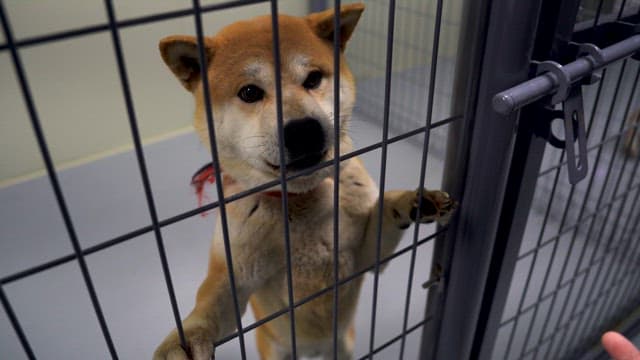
(632, 135)
(246, 137)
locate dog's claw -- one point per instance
(436, 206)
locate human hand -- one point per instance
(619, 347)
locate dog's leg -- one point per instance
(211, 318)
(263, 342)
(268, 349)
(400, 210)
(346, 344)
(213, 315)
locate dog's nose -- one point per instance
(305, 142)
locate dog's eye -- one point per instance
(313, 80)
(251, 94)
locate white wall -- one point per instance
(76, 86)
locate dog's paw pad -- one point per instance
(436, 206)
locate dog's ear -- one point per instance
(180, 53)
(322, 23)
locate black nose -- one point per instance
(305, 142)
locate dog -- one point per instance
(240, 68)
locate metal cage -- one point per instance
(424, 114)
(542, 261)
(541, 257)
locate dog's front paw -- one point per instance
(436, 206)
(199, 345)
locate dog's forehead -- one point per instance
(297, 64)
(250, 43)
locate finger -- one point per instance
(618, 347)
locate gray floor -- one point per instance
(106, 199)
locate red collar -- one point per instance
(278, 194)
(207, 174)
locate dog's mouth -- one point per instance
(301, 163)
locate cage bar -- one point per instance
(383, 168)
(92, 29)
(423, 168)
(596, 19)
(15, 323)
(629, 255)
(218, 173)
(601, 235)
(336, 170)
(510, 100)
(555, 239)
(283, 182)
(196, 10)
(599, 201)
(472, 285)
(624, 263)
(341, 282)
(397, 338)
(574, 317)
(535, 257)
(575, 232)
(599, 271)
(622, 7)
(53, 178)
(607, 269)
(185, 215)
(492, 248)
(576, 225)
(135, 134)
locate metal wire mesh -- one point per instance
(577, 271)
(421, 124)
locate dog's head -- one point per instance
(241, 76)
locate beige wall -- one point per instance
(413, 35)
(77, 90)
(76, 86)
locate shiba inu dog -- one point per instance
(242, 87)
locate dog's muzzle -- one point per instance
(305, 142)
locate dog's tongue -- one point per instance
(206, 174)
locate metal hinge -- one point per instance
(436, 277)
(563, 83)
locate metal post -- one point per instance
(479, 257)
(471, 43)
(554, 29)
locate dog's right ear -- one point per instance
(180, 53)
(322, 23)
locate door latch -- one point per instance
(563, 84)
(573, 117)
